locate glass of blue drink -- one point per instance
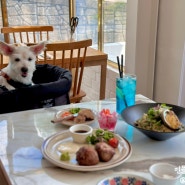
(125, 92)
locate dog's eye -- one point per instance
(17, 59)
(29, 59)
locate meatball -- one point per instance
(87, 156)
(105, 151)
(80, 119)
(87, 113)
(84, 115)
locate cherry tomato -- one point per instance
(113, 142)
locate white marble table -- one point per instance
(22, 134)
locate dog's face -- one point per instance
(21, 59)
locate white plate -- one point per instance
(71, 122)
(50, 151)
(125, 179)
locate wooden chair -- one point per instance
(71, 56)
(26, 34)
(1, 61)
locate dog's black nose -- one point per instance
(24, 69)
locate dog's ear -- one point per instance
(37, 49)
(6, 49)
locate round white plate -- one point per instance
(71, 122)
(51, 153)
(126, 180)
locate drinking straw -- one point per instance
(119, 67)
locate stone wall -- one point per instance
(56, 13)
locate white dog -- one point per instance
(21, 64)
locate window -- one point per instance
(113, 25)
(114, 28)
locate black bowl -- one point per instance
(133, 113)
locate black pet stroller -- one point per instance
(51, 88)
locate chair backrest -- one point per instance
(71, 56)
(3, 61)
(26, 34)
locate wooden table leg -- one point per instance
(103, 80)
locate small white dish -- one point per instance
(164, 174)
(80, 132)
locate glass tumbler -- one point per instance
(125, 92)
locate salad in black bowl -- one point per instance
(158, 121)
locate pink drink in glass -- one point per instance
(107, 120)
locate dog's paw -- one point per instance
(9, 87)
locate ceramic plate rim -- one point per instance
(71, 123)
(65, 165)
(125, 175)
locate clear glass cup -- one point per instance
(125, 96)
(125, 92)
(107, 120)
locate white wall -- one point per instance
(181, 100)
(170, 46)
(154, 50)
(141, 43)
